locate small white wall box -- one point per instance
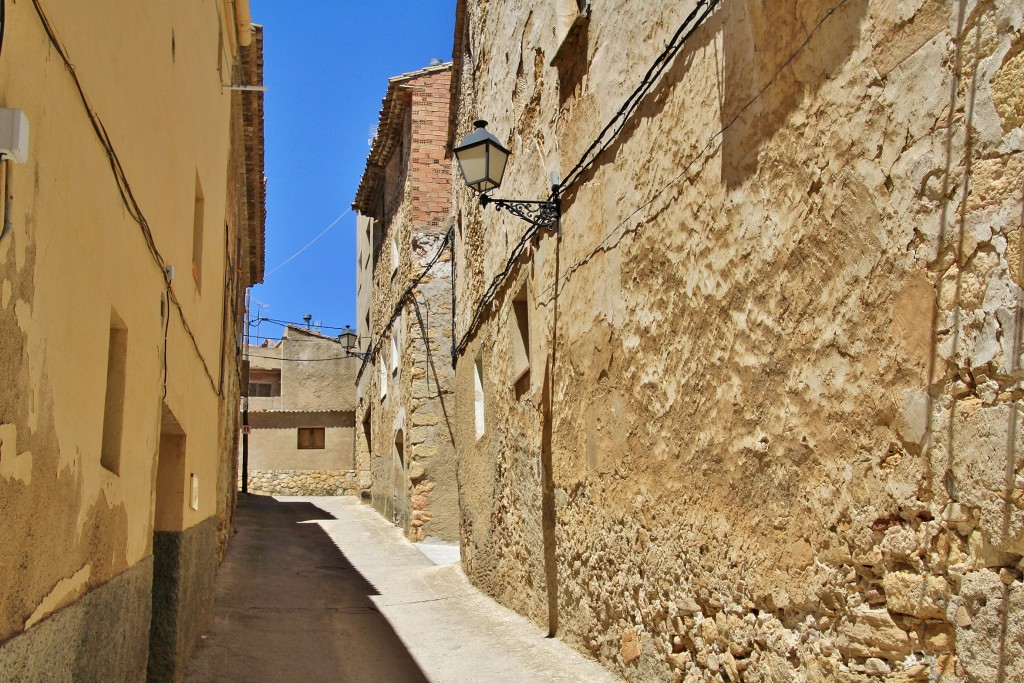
(14, 135)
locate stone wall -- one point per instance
(434, 499)
(405, 432)
(305, 482)
(770, 429)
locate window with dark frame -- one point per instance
(311, 437)
(260, 389)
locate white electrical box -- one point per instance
(14, 135)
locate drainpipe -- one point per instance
(243, 22)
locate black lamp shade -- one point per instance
(347, 338)
(482, 158)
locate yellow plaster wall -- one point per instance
(75, 254)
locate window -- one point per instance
(311, 437)
(570, 13)
(197, 235)
(478, 394)
(520, 338)
(394, 257)
(368, 431)
(378, 240)
(383, 377)
(264, 382)
(261, 389)
(394, 355)
(113, 404)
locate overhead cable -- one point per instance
(607, 136)
(310, 243)
(449, 239)
(123, 186)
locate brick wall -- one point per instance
(430, 169)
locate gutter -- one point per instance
(243, 22)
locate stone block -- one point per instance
(873, 633)
(924, 597)
(629, 645)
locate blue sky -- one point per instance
(326, 67)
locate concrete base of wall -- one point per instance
(104, 636)
(304, 482)
(184, 566)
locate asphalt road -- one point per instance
(324, 589)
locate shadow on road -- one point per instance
(290, 607)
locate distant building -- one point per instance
(136, 224)
(404, 205)
(301, 417)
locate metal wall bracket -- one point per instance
(544, 214)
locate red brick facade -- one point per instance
(430, 167)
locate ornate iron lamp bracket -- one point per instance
(538, 214)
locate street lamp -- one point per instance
(348, 342)
(482, 159)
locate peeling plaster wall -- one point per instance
(771, 427)
(77, 537)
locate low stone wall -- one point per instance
(304, 482)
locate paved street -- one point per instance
(324, 589)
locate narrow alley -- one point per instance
(324, 589)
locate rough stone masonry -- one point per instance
(771, 425)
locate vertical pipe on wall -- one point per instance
(245, 403)
(5, 168)
(243, 22)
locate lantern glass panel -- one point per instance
(473, 162)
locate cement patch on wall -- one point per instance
(183, 578)
(102, 637)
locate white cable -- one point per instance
(325, 231)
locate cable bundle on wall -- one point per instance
(447, 243)
(123, 186)
(606, 137)
(604, 140)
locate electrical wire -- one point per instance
(297, 360)
(123, 186)
(311, 242)
(286, 324)
(612, 129)
(488, 296)
(454, 310)
(447, 243)
(601, 143)
(604, 244)
(259, 339)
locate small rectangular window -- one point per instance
(197, 235)
(383, 377)
(520, 337)
(311, 437)
(394, 355)
(394, 257)
(260, 389)
(478, 394)
(113, 404)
